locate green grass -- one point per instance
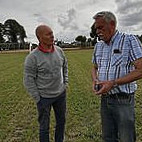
(18, 114)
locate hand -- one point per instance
(106, 86)
(96, 86)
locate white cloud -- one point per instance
(130, 16)
(70, 18)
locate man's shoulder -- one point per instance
(99, 43)
(33, 53)
(127, 35)
(57, 47)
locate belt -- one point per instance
(121, 95)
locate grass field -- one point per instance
(18, 114)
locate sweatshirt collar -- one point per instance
(40, 47)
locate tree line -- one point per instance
(12, 32)
(93, 37)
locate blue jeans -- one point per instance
(44, 108)
(118, 118)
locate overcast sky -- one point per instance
(70, 18)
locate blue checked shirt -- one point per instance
(116, 60)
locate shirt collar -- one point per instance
(114, 36)
(47, 50)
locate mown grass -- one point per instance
(18, 114)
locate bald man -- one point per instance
(46, 79)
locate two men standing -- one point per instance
(117, 60)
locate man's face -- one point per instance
(47, 37)
(104, 29)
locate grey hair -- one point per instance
(107, 15)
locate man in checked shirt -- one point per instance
(117, 60)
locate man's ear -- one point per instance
(112, 23)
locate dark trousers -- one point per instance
(44, 108)
(118, 118)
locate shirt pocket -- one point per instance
(116, 59)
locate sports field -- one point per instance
(18, 114)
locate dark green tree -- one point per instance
(1, 33)
(14, 31)
(81, 39)
(89, 41)
(93, 35)
(78, 38)
(140, 38)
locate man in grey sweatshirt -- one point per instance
(46, 79)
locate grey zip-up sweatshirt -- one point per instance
(45, 74)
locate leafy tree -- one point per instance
(89, 41)
(1, 33)
(140, 38)
(59, 43)
(81, 39)
(14, 31)
(84, 39)
(93, 35)
(78, 38)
